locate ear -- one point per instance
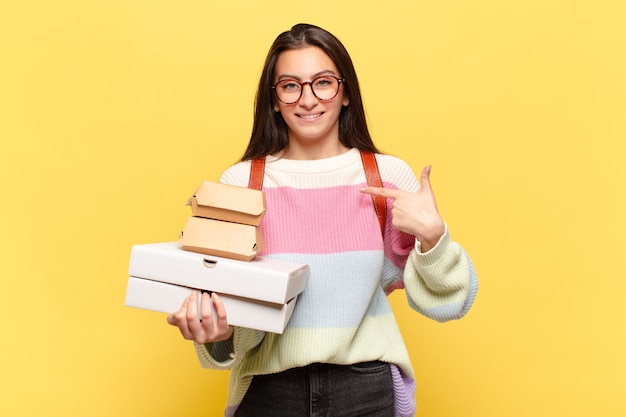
(345, 101)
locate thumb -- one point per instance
(425, 178)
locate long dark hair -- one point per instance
(270, 132)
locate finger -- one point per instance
(206, 312)
(381, 191)
(221, 321)
(220, 311)
(192, 305)
(179, 319)
(425, 177)
(193, 321)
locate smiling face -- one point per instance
(313, 124)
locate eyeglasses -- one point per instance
(325, 88)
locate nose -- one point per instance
(308, 98)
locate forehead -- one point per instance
(304, 63)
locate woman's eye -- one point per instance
(323, 82)
(291, 86)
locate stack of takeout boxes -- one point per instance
(216, 252)
(225, 221)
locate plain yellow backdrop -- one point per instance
(112, 112)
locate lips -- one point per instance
(310, 116)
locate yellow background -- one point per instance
(112, 112)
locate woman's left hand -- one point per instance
(415, 213)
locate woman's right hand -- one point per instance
(206, 328)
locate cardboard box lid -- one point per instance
(243, 312)
(228, 202)
(263, 278)
(220, 238)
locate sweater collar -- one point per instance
(314, 166)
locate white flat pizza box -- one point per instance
(168, 298)
(263, 279)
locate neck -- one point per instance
(313, 151)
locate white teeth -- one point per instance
(309, 116)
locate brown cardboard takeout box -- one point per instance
(221, 238)
(228, 203)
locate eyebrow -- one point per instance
(314, 76)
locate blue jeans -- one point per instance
(322, 390)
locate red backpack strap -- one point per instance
(372, 175)
(257, 172)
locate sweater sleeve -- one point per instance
(441, 283)
(227, 354)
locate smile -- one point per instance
(310, 116)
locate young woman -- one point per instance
(342, 353)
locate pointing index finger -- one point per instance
(380, 191)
